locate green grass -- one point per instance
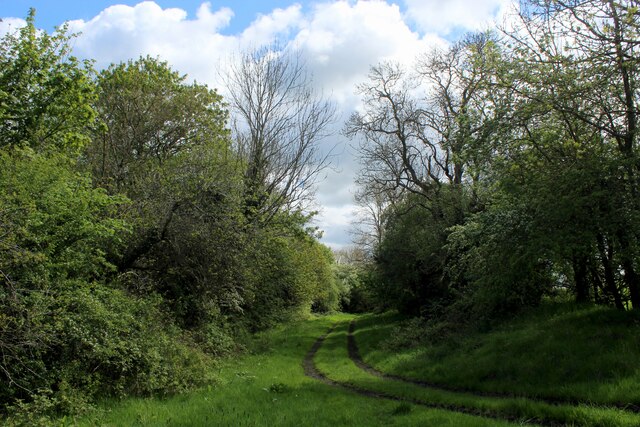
(560, 351)
(269, 388)
(332, 359)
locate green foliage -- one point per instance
(348, 281)
(544, 144)
(128, 281)
(289, 276)
(165, 145)
(64, 335)
(55, 231)
(46, 93)
(150, 114)
(115, 344)
(106, 343)
(326, 290)
(495, 265)
(411, 259)
(58, 226)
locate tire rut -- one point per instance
(311, 371)
(354, 355)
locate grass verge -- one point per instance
(332, 360)
(558, 351)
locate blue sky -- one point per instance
(340, 40)
(53, 12)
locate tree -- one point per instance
(575, 62)
(150, 115)
(423, 141)
(155, 126)
(45, 92)
(369, 224)
(419, 144)
(279, 125)
(165, 144)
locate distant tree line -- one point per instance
(140, 237)
(504, 169)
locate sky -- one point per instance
(340, 40)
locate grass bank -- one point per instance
(331, 361)
(558, 351)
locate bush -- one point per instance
(66, 336)
(107, 343)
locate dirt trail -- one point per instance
(312, 371)
(354, 355)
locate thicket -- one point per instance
(131, 252)
(504, 168)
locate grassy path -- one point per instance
(312, 371)
(269, 388)
(312, 374)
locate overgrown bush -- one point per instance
(67, 337)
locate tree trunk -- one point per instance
(609, 278)
(580, 278)
(630, 276)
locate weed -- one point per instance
(403, 408)
(278, 388)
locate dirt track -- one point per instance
(312, 371)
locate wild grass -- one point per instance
(558, 351)
(332, 359)
(268, 386)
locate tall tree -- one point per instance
(165, 144)
(280, 124)
(416, 142)
(150, 115)
(579, 61)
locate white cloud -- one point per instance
(279, 23)
(444, 17)
(335, 222)
(342, 40)
(9, 25)
(124, 32)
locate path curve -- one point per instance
(312, 371)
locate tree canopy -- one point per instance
(507, 165)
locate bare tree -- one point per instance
(416, 127)
(374, 207)
(369, 224)
(459, 106)
(279, 123)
